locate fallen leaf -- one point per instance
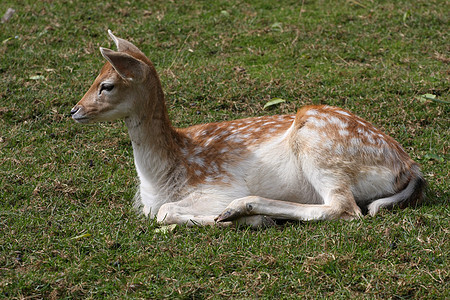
(37, 77)
(277, 26)
(81, 236)
(431, 97)
(273, 102)
(166, 229)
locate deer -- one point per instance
(322, 163)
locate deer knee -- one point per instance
(165, 214)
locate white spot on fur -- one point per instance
(199, 161)
(371, 150)
(214, 167)
(209, 179)
(317, 122)
(339, 149)
(381, 142)
(210, 140)
(334, 120)
(311, 136)
(352, 150)
(226, 179)
(343, 112)
(356, 142)
(337, 121)
(184, 151)
(198, 150)
(311, 112)
(201, 133)
(369, 136)
(238, 140)
(361, 123)
(328, 144)
(223, 133)
(343, 132)
(229, 138)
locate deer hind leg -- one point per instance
(339, 204)
(330, 183)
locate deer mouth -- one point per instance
(79, 116)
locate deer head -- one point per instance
(119, 87)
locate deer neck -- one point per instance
(153, 140)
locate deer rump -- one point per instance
(322, 163)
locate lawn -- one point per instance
(67, 224)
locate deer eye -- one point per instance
(106, 87)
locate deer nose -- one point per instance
(75, 109)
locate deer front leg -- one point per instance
(176, 213)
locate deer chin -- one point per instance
(83, 119)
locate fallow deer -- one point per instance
(322, 163)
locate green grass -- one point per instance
(67, 227)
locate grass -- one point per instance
(67, 227)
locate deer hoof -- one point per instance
(228, 215)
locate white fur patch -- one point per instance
(317, 122)
(343, 112)
(339, 149)
(355, 142)
(312, 112)
(337, 121)
(343, 132)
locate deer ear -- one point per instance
(128, 67)
(124, 45)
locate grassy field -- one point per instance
(67, 226)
